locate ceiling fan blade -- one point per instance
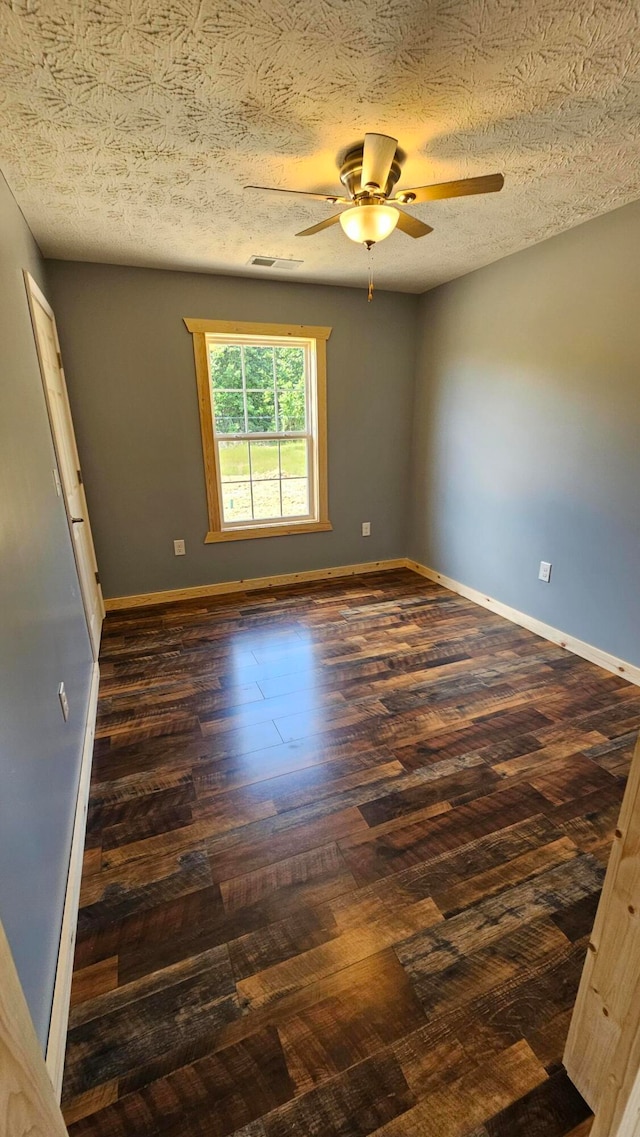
(321, 225)
(412, 226)
(489, 183)
(330, 197)
(377, 156)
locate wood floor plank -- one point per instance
(344, 847)
(114, 894)
(550, 1110)
(92, 1102)
(524, 1008)
(486, 1090)
(479, 887)
(582, 1130)
(548, 1040)
(432, 950)
(267, 845)
(217, 1094)
(350, 947)
(374, 1092)
(304, 880)
(96, 979)
(402, 802)
(120, 1030)
(374, 859)
(504, 964)
(214, 773)
(322, 1040)
(275, 943)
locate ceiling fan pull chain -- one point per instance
(370, 254)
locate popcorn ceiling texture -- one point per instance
(128, 127)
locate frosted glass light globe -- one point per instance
(369, 222)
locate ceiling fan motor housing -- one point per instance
(351, 174)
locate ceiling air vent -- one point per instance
(273, 262)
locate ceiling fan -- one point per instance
(369, 174)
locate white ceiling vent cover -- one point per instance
(273, 262)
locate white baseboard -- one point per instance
(594, 654)
(578, 647)
(57, 1039)
(120, 603)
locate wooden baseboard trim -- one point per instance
(120, 603)
(57, 1039)
(594, 654)
(555, 635)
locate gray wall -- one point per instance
(43, 640)
(129, 364)
(527, 431)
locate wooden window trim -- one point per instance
(199, 330)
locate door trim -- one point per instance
(602, 1053)
(57, 1038)
(27, 1101)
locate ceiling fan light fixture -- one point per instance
(369, 223)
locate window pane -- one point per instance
(261, 411)
(236, 501)
(266, 499)
(228, 407)
(264, 460)
(226, 368)
(262, 391)
(295, 497)
(234, 461)
(258, 367)
(291, 389)
(293, 458)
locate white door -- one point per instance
(55, 389)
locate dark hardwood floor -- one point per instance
(344, 850)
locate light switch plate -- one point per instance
(64, 702)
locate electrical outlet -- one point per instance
(64, 702)
(179, 549)
(366, 528)
(545, 571)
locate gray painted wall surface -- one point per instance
(527, 431)
(43, 640)
(129, 365)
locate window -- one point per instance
(262, 397)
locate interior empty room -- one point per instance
(320, 566)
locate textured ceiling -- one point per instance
(128, 127)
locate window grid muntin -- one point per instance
(283, 518)
(262, 436)
(244, 407)
(242, 343)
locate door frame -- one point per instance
(34, 293)
(602, 1053)
(28, 1105)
